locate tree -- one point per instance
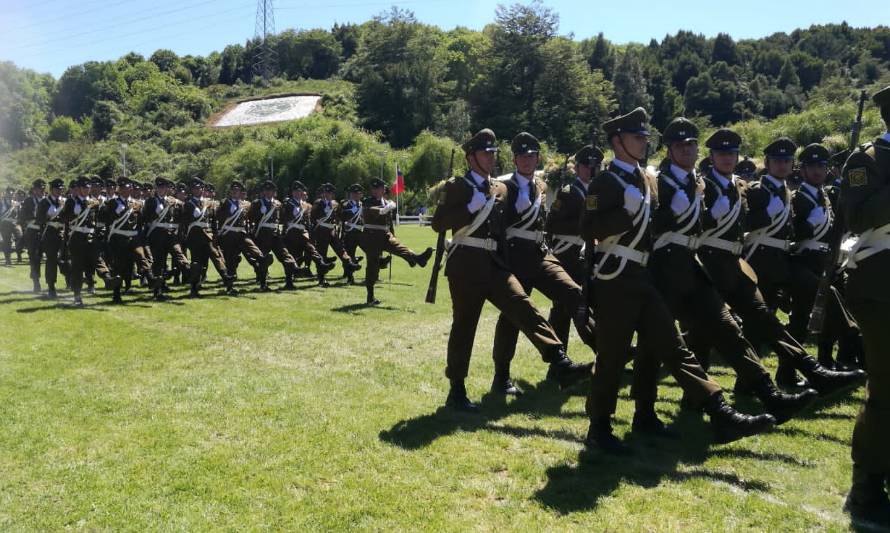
(166, 60)
(602, 57)
(724, 50)
(81, 86)
(630, 84)
(788, 75)
(64, 129)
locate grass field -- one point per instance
(306, 410)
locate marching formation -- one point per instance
(121, 231)
(685, 258)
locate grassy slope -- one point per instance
(303, 411)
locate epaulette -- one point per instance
(566, 188)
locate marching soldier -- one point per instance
(814, 228)
(618, 211)
(866, 209)
(295, 219)
(31, 229)
(324, 218)
(233, 237)
(196, 219)
(530, 261)
(159, 223)
(687, 290)
(377, 238)
(52, 233)
(126, 249)
(264, 215)
(746, 169)
(471, 207)
(562, 226)
(80, 213)
(720, 248)
(9, 228)
(350, 214)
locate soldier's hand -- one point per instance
(633, 199)
(476, 202)
(720, 207)
(680, 202)
(774, 207)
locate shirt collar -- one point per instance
(886, 136)
(627, 167)
(778, 183)
(680, 174)
(813, 190)
(723, 180)
(521, 180)
(477, 178)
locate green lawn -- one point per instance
(306, 411)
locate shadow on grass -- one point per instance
(354, 308)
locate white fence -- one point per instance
(413, 220)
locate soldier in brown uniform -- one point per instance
(687, 289)
(746, 169)
(562, 225)
(625, 301)
(324, 219)
(234, 240)
(195, 221)
(529, 259)
(126, 249)
(812, 216)
(350, 215)
(471, 207)
(81, 214)
(377, 238)
(720, 248)
(295, 220)
(52, 233)
(27, 220)
(160, 226)
(264, 215)
(866, 208)
(10, 231)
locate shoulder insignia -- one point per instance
(591, 202)
(857, 177)
(566, 188)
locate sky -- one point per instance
(51, 35)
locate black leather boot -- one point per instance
(867, 499)
(565, 371)
(781, 405)
(457, 398)
(422, 258)
(371, 300)
(504, 386)
(828, 381)
(600, 435)
(730, 425)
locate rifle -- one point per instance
(440, 251)
(817, 316)
(589, 250)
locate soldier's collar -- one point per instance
(626, 167)
(721, 179)
(477, 178)
(812, 189)
(680, 174)
(775, 182)
(521, 180)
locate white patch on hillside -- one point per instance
(271, 110)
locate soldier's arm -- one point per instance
(41, 212)
(664, 215)
(755, 201)
(604, 213)
(452, 212)
(866, 196)
(800, 210)
(708, 198)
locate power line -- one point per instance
(265, 61)
(69, 15)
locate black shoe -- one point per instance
(288, 283)
(503, 385)
(350, 280)
(787, 378)
(385, 261)
(828, 381)
(350, 267)
(649, 424)
(51, 294)
(37, 288)
(422, 259)
(8, 262)
(457, 400)
(867, 500)
(194, 292)
(371, 300)
(730, 425)
(91, 290)
(566, 372)
(78, 302)
(113, 282)
(784, 406)
(323, 282)
(160, 296)
(600, 435)
(116, 297)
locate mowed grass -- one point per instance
(306, 410)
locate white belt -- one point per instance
(475, 242)
(571, 239)
(269, 225)
(236, 229)
(810, 244)
(32, 225)
(100, 224)
(733, 247)
(199, 225)
(294, 225)
(625, 252)
(528, 235)
(87, 231)
(57, 225)
(672, 237)
(326, 225)
(870, 242)
(771, 242)
(357, 227)
(166, 225)
(124, 232)
(377, 227)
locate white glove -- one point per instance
(720, 207)
(390, 206)
(297, 210)
(817, 217)
(679, 202)
(633, 199)
(119, 209)
(196, 213)
(77, 208)
(775, 207)
(476, 202)
(52, 210)
(159, 207)
(263, 209)
(523, 202)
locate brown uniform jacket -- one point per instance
(227, 209)
(256, 213)
(524, 256)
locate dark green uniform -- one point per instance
(126, 248)
(27, 219)
(160, 226)
(10, 231)
(52, 238)
(195, 219)
(264, 215)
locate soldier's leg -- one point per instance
(555, 283)
(467, 299)
(35, 250)
(51, 245)
(398, 249)
(78, 256)
(256, 258)
(506, 334)
(19, 242)
(372, 271)
(6, 235)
